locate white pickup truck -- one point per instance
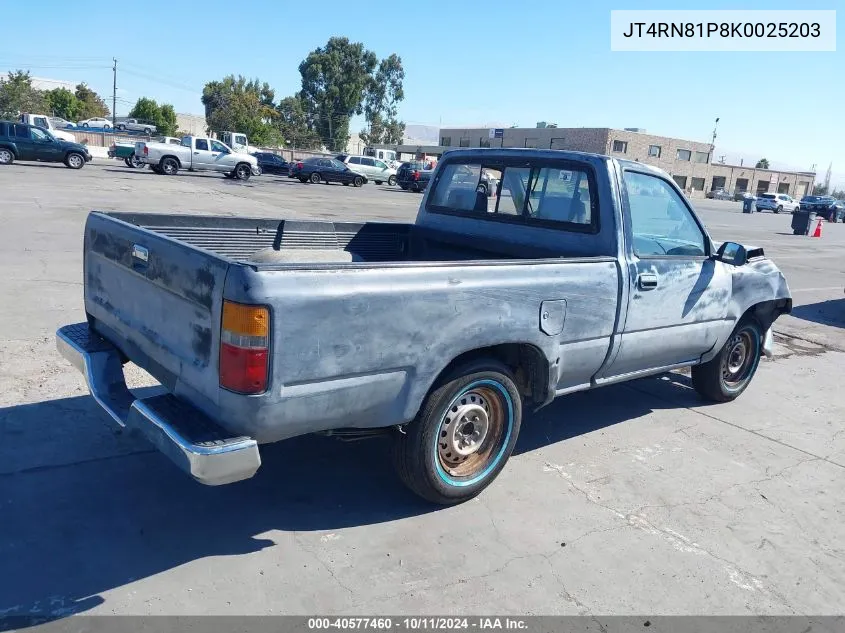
(196, 154)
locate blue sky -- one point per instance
(467, 63)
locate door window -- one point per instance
(661, 223)
(380, 165)
(217, 146)
(354, 160)
(38, 134)
(368, 162)
(337, 164)
(41, 121)
(21, 131)
(202, 144)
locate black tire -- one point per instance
(169, 166)
(84, 125)
(126, 162)
(478, 390)
(778, 209)
(415, 188)
(358, 181)
(135, 162)
(346, 184)
(315, 178)
(147, 131)
(121, 127)
(391, 181)
(243, 171)
(7, 156)
(729, 373)
(75, 160)
(156, 169)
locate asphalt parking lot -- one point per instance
(632, 499)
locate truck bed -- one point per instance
(311, 242)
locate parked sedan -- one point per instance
(374, 169)
(719, 194)
(272, 164)
(96, 121)
(326, 170)
(137, 125)
(776, 202)
(742, 194)
(61, 124)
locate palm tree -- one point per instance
(763, 163)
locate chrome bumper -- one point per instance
(769, 344)
(186, 435)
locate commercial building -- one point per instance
(688, 162)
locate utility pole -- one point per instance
(114, 97)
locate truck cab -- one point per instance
(43, 121)
(238, 142)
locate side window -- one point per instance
(217, 146)
(660, 221)
(381, 165)
(354, 160)
(41, 121)
(560, 195)
(2, 129)
(368, 162)
(202, 144)
(38, 134)
(21, 131)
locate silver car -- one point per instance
(374, 169)
(137, 125)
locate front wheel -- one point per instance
(463, 435)
(778, 209)
(358, 181)
(391, 181)
(729, 373)
(74, 160)
(6, 156)
(147, 131)
(243, 171)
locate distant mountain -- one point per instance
(422, 135)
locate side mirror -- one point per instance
(732, 253)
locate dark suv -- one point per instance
(19, 141)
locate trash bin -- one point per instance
(748, 204)
(802, 221)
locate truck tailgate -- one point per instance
(158, 300)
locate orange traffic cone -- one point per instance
(818, 231)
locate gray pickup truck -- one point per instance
(578, 271)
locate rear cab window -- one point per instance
(548, 192)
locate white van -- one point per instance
(386, 155)
(374, 169)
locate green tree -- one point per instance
(819, 190)
(381, 102)
(763, 163)
(296, 125)
(237, 105)
(63, 103)
(334, 79)
(17, 95)
(162, 116)
(91, 104)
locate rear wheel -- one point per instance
(243, 171)
(315, 178)
(778, 209)
(726, 376)
(358, 181)
(6, 156)
(463, 435)
(135, 162)
(147, 131)
(121, 127)
(169, 167)
(74, 160)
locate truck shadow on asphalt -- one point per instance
(825, 312)
(83, 520)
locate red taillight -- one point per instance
(244, 346)
(416, 175)
(146, 150)
(299, 165)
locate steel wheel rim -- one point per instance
(5, 156)
(470, 432)
(167, 168)
(74, 160)
(243, 172)
(738, 359)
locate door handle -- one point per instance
(647, 281)
(196, 153)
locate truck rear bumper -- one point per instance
(187, 436)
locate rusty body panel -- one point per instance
(360, 344)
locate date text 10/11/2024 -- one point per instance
(417, 624)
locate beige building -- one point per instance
(688, 162)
